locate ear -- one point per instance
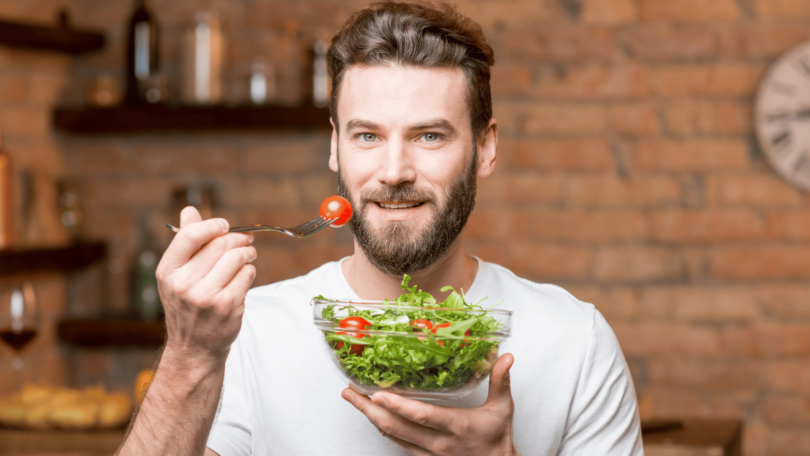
(488, 149)
(333, 156)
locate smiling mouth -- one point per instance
(400, 206)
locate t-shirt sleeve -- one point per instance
(603, 418)
(231, 433)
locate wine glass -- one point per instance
(19, 320)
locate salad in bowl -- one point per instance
(413, 345)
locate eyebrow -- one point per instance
(433, 124)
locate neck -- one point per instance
(455, 268)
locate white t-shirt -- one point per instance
(571, 386)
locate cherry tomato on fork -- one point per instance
(336, 207)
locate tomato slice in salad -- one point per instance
(355, 322)
(441, 325)
(336, 207)
(355, 349)
(421, 323)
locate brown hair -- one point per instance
(418, 34)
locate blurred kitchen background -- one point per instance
(629, 172)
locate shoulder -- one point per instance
(546, 302)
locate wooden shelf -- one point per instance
(693, 437)
(111, 332)
(69, 258)
(45, 38)
(160, 118)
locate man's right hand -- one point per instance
(203, 278)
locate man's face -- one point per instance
(406, 162)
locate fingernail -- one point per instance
(348, 396)
(223, 223)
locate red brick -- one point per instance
(14, 88)
(511, 80)
(610, 190)
(608, 12)
(494, 223)
(548, 261)
(690, 10)
(126, 193)
(616, 304)
(594, 82)
(786, 411)
(561, 154)
(494, 14)
(702, 304)
(785, 301)
(587, 226)
(287, 155)
(648, 339)
(668, 402)
(739, 341)
(695, 340)
(783, 340)
(706, 374)
(760, 40)
(783, 9)
(760, 262)
(690, 226)
(662, 42)
(314, 188)
(696, 155)
(789, 376)
(26, 122)
(782, 441)
(565, 119)
(558, 119)
(636, 264)
(634, 119)
(730, 406)
(307, 258)
(789, 225)
(698, 118)
(260, 193)
(725, 79)
(763, 190)
(171, 157)
(558, 44)
(518, 187)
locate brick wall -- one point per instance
(628, 173)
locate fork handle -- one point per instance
(239, 229)
(247, 229)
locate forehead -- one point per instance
(397, 96)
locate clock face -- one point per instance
(782, 116)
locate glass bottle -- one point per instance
(202, 61)
(142, 52)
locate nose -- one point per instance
(396, 166)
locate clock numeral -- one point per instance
(780, 141)
(803, 66)
(782, 88)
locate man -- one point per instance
(413, 131)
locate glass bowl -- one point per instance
(418, 352)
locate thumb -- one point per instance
(189, 215)
(500, 384)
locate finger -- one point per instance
(234, 293)
(189, 240)
(439, 418)
(227, 267)
(391, 423)
(211, 253)
(500, 388)
(189, 215)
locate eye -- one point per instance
(368, 137)
(430, 137)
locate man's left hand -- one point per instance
(424, 429)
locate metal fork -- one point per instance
(301, 231)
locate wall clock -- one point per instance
(782, 116)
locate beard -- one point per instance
(399, 248)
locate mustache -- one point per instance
(405, 193)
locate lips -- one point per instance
(399, 206)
